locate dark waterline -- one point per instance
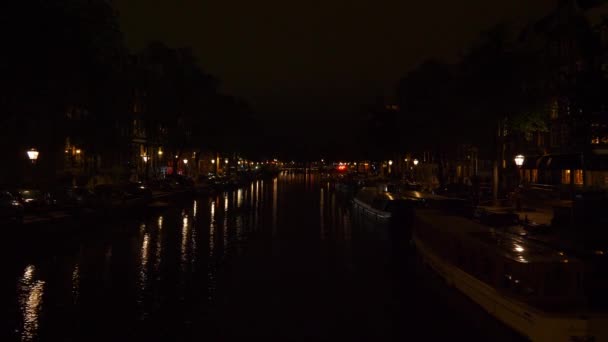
(282, 259)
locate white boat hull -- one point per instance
(529, 321)
(371, 212)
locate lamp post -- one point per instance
(145, 158)
(185, 161)
(519, 161)
(32, 154)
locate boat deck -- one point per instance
(510, 246)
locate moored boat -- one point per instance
(379, 205)
(537, 290)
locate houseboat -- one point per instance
(541, 292)
(377, 204)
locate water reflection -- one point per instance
(143, 275)
(151, 268)
(31, 291)
(143, 269)
(75, 283)
(322, 213)
(225, 226)
(274, 206)
(159, 244)
(212, 228)
(184, 244)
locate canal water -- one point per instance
(283, 259)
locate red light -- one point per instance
(342, 167)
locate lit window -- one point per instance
(565, 176)
(578, 177)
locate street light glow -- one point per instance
(145, 158)
(519, 160)
(416, 162)
(185, 161)
(33, 154)
(226, 160)
(390, 162)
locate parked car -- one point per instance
(10, 208)
(137, 190)
(109, 195)
(123, 196)
(33, 200)
(72, 198)
(179, 182)
(454, 190)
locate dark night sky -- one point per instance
(316, 59)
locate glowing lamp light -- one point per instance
(519, 160)
(185, 161)
(33, 154)
(212, 161)
(226, 160)
(145, 158)
(416, 161)
(78, 151)
(390, 162)
(160, 152)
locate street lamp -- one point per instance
(519, 161)
(212, 161)
(390, 162)
(145, 159)
(160, 152)
(226, 161)
(185, 161)
(32, 154)
(416, 162)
